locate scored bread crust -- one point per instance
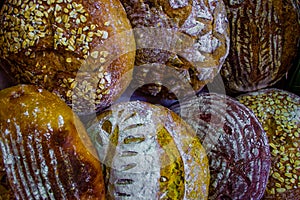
(45, 150)
(264, 42)
(148, 152)
(184, 40)
(236, 145)
(46, 42)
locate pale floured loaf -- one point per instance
(148, 152)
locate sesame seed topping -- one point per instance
(102, 60)
(104, 53)
(95, 54)
(83, 18)
(85, 28)
(93, 27)
(31, 33)
(277, 111)
(69, 60)
(77, 21)
(67, 24)
(104, 34)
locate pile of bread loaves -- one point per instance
(149, 99)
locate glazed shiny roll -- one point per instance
(148, 152)
(279, 113)
(236, 144)
(45, 152)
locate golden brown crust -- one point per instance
(47, 42)
(149, 152)
(46, 152)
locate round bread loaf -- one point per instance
(149, 153)
(81, 50)
(177, 40)
(279, 113)
(45, 152)
(235, 142)
(264, 38)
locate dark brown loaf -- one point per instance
(149, 153)
(45, 150)
(279, 113)
(46, 42)
(236, 145)
(181, 45)
(264, 38)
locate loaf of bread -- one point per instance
(264, 41)
(149, 153)
(279, 113)
(45, 152)
(81, 50)
(181, 45)
(236, 144)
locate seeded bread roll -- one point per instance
(81, 50)
(149, 153)
(264, 41)
(279, 113)
(181, 45)
(45, 152)
(235, 142)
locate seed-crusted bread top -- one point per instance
(46, 42)
(279, 113)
